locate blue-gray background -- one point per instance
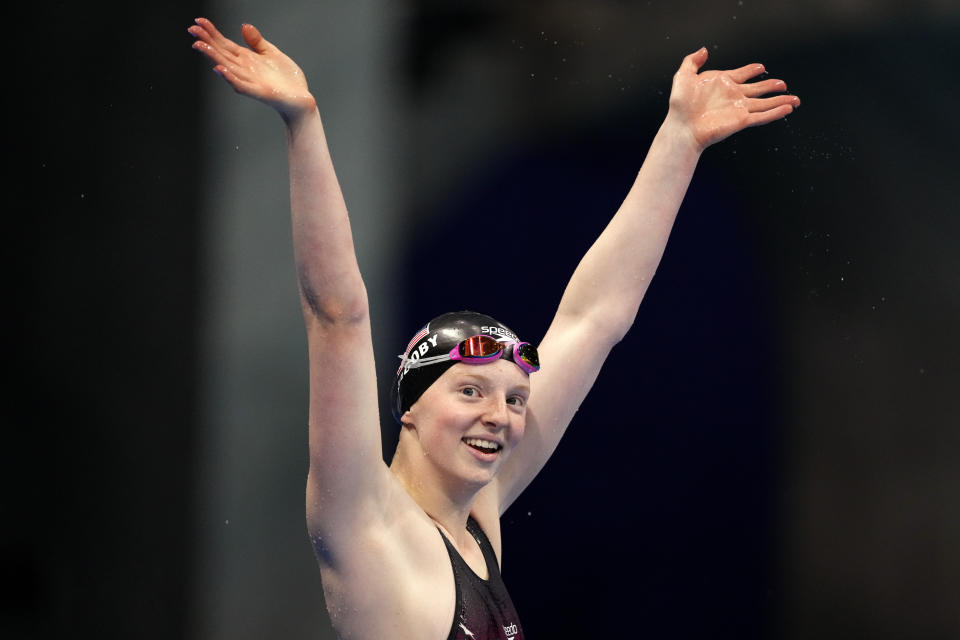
(772, 452)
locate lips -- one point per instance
(482, 445)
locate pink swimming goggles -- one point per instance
(483, 349)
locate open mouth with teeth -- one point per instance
(483, 446)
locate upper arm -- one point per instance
(571, 355)
(348, 480)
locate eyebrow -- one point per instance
(479, 377)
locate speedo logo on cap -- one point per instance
(500, 331)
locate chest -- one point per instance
(483, 608)
(415, 587)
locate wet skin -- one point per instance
(486, 402)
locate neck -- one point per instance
(447, 503)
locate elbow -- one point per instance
(617, 329)
(605, 328)
(612, 326)
(345, 305)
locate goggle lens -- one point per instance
(528, 353)
(480, 347)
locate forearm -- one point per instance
(328, 275)
(613, 276)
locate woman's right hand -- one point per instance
(262, 72)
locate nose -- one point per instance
(496, 414)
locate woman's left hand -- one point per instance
(713, 105)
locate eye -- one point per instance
(517, 401)
(470, 392)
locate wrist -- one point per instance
(680, 135)
(301, 116)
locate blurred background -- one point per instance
(772, 452)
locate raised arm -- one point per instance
(347, 474)
(601, 300)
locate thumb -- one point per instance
(695, 60)
(253, 38)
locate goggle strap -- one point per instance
(422, 362)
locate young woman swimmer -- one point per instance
(412, 550)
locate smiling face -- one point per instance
(469, 420)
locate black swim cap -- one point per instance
(438, 337)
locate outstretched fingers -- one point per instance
(764, 110)
(757, 89)
(756, 105)
(767, 110)
(746, 72)
(202, 35)
(763, 117)
(218, 56)
(227, 55)
(207, 32)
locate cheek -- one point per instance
(519, 428)
(442, 426)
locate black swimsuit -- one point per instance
(484, 610)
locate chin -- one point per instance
(481, 477)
